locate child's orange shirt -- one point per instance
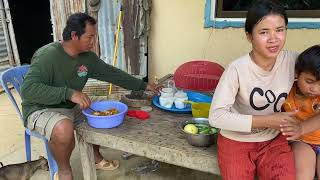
(306, 108)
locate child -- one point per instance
(247, 101)
(304, 98)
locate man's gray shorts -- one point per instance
(43, 121)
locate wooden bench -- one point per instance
(157, 138)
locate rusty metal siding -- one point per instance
(3, 46)
(135, 41)
(12, 48)
(60, 10)
(9, 55)
(107, 27)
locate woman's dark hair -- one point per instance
(77, 22)
(309, 61)
(261, 9)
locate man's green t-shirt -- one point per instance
(54, 75)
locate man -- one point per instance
(53, 86)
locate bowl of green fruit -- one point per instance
(199, 132)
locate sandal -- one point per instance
(56, 176)
(107, 165)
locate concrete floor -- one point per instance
(12, 151)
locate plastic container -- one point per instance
(179, 99)
(106, 121)
(198, 75)
(167, 92)
(199, 109)
(166, 100)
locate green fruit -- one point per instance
(199, 125)
(205, 131)
(190, 128)
(214, 130)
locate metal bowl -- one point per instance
(199, 140)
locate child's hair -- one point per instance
(309, 61)
(261, 9)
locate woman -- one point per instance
(247, 101)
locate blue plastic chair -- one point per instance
(15, 76)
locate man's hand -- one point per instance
(154, 88)
(292, 129)
(80, 98)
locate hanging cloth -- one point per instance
(94, 5)
(142, 18)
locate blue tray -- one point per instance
(192, 96)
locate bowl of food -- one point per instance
(198, 132)
(105, 114)
(137, 99)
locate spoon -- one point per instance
(94, 110)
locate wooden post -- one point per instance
(87, 159)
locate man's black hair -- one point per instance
(309, 61)
(77, 22)
(261, 9)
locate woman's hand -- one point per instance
(279, 118)
(292, 129)
(273, 120)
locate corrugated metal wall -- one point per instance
(107, 27)
(60, 10)
(3, 46)
(9, 55)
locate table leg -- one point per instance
(87, 159)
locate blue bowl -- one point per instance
(106, 121)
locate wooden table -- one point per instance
(157, 138)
